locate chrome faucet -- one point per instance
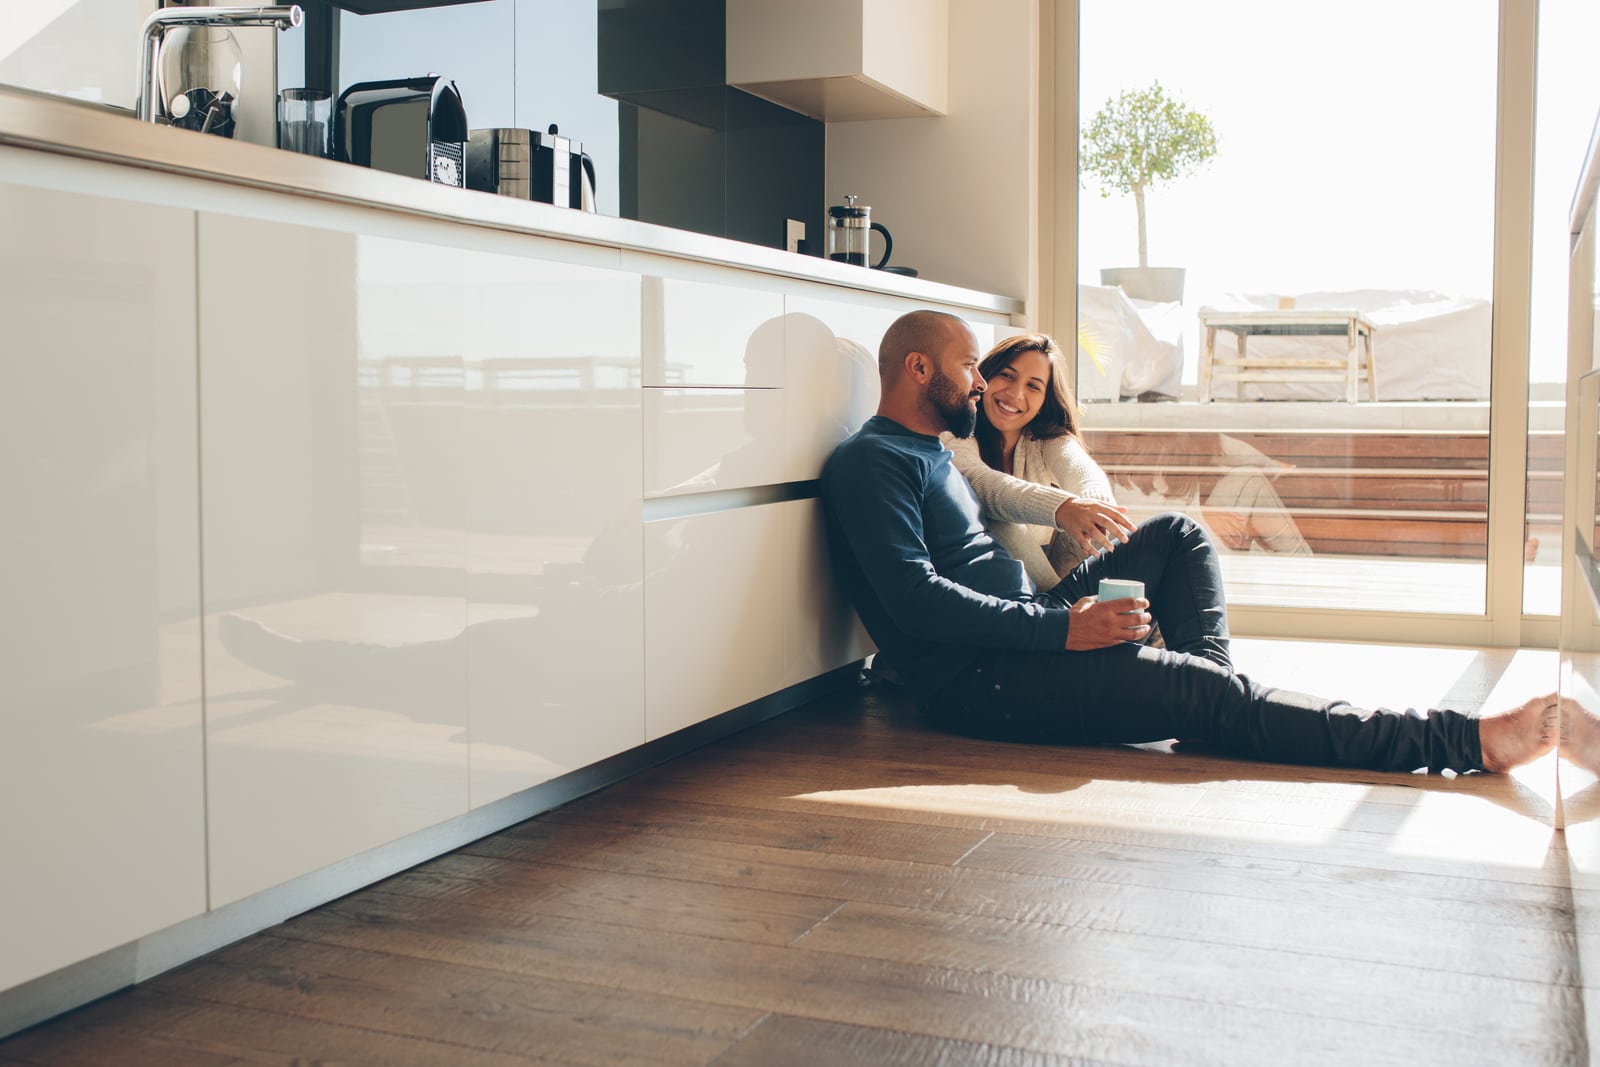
(156, 26)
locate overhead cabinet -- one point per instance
(842, 60)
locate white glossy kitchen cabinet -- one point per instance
(705, 325)
(704, 439)
(739, 605)
(700, 440)
(831, 374)
(823, 631)
(552, 476)
(101, 765)
(717, 596)
(331, 406)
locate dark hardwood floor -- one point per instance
(843, 886)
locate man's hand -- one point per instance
(1101, 625)
(1094, 524)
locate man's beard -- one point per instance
(960, 414)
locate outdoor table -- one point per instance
(1287, 322)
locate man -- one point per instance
(991, 656)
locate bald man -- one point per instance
(991, 656)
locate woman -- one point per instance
(1043, 497)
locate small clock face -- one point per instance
(444, 171)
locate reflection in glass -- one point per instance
(200, 74)
(1567, 102)
(1580, 614)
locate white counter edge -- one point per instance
(47, 124)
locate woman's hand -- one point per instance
(1229, 528)
(1101, 625)
(1094, 524)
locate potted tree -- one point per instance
(1143, 138)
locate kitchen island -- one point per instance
(353, 518)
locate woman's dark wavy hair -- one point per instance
(1057, 415)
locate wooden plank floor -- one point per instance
(843, 886)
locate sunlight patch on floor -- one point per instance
(1468, 828)
(1189, 808)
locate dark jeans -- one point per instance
(1133, 693)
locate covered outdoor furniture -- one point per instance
(1357, 363)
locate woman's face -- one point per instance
(1016, 392)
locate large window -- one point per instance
(1315, 388)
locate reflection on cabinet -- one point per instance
(100, 749)
(738, 605)
(555, 642)
(716, 613)
(824, 633)
(708, 326)
(335, 555)
(698, 440)
(831, 374)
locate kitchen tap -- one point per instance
(156, 26)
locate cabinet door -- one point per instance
(830, 383)
(100, 747)
(704, 325)
(831, 372)
(739, 605)
(824, 632)
(700, 440)
(555, 645)
(716, 601)
(335, 544)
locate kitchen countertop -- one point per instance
(52, 124)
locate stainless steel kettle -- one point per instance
(850, 228)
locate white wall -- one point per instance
(955, 190)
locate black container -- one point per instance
(411, 126)
(563, 174)
(500, 160)
(532, 166)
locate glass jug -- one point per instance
(850, 226)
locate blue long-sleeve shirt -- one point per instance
(910, 550)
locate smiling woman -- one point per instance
(1027, 463)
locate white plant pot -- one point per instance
(1163, 284)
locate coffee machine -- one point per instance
(411, 126)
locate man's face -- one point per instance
(955, 385)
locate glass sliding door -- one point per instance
(1286, 255)
(1568, 100)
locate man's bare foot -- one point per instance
(1580, 735)
(1511, 738)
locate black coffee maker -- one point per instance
(411, 126)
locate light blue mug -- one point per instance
(1120, 588)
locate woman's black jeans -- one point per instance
(1132, 693)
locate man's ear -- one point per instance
(919, 366)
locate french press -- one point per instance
(850, 226)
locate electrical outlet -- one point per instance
(794, 234)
